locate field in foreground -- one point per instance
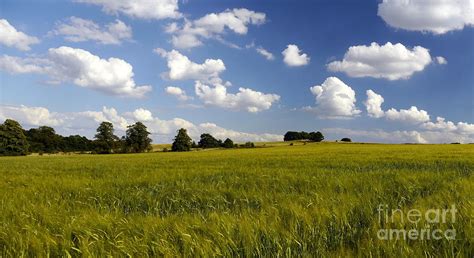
(314, 199)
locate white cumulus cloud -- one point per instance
(213, 25)
(30, 116)
(374, 104)
(411, 115)
(11, 37)
(177, 92)
(433, 131)
(181, 68)
(78, 30)
(447, 126)
(64, 64)
(389, 61)
(209, 87)
(142, 115)
(141, 9)
(435, 16)
(113, 75)
(334, 100)
(246, 99)
(292, 56)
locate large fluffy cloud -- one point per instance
(389, 61)
(213, 25)
(246, 99)
(410, 116)
(334, 100)
(292, 56)
(436, 16)
(142, 9)
(85, 122)
(374, 104)
(209, 87)
(181, 68)
(64, 64)
(439, 131)
(84, 69)
(30, 116)
(11, 37)
(77, 30)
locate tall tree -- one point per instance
(208, 141)
(228, 143)
(12, 139)
(105, 139)
(182, 141)
(316, 136)
(137, 139)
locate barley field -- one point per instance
(274, 200)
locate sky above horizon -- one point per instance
(381, 71)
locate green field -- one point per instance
(313, 199)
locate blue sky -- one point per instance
(324, 31)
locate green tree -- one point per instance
(44, 139)
(208, 141)
(316, 136)
(346, 140)
(293, 136)
(228, 143)
(12, 139)
(105, 139)
(137, 139)
(76, 143)
(182, 141)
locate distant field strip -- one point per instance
(313, 199)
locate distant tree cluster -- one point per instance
(44, 139)
(312, 136)
(182, 142)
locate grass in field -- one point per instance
(313, 199)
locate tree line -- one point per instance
(182, 142)
(305, 136)
(14, 140)
(312, 136)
